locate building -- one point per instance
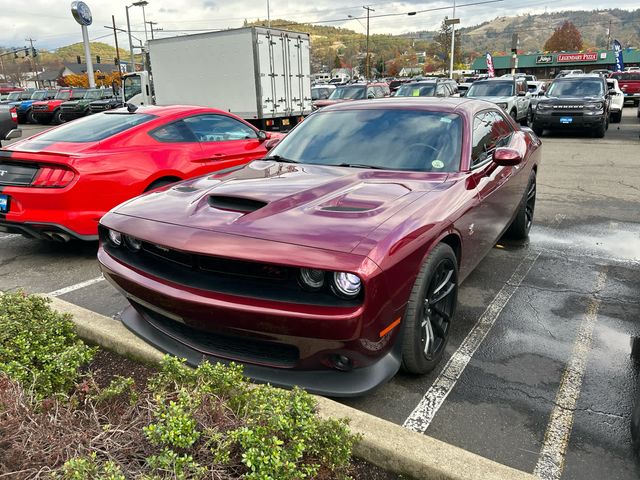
(547, 65)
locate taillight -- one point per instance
(53, 177)
(14, 115)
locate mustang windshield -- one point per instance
(348, 93)
(491, 89)
(576, 88)
(390, 139)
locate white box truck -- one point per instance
(260, 74)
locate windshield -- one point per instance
(14, 96)
(25, 95)
(417, 90)
(39, 95)
(392, 139)
(319, 93)
(491, 89)
(576, 88)
(348, 93)
(63, 95)
(132, 87)
(94, 128)
(626, 76)
(93, 94)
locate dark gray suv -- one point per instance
(574, 102)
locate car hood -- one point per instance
(332, 208)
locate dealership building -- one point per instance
(547, 65)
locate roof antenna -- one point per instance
(131, 108)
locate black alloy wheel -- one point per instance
(430, 311)
(521, 225)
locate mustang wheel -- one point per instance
(521, 225)
(430, 310)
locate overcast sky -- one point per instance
(50, 22)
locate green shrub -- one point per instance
(39, 346)
(89, 468)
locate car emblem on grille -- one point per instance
(3, 172)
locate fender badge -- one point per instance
(471, 231)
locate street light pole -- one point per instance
(366, 68)
(453, 40)
(144, 19)
(133, 65)
(268, 15)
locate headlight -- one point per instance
(312, 279)
(115, 238)
(503, 105)
(346, 285)
(543, 106)
(594, 106)
(133, 243)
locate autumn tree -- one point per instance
(441, 46)
(566, 37)
(82, 80)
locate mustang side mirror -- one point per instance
(507, 157)
(262, 136)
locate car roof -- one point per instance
(438, 104)
(162, 111)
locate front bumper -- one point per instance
(42, 117)
(285, 343)
(68, 115)
(577, 121)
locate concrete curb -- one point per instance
(383, 443)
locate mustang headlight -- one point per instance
(115, 238)
(346, 285)
(312, 279)
(133, 243)
(503, 105)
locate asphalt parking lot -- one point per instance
(537, 374)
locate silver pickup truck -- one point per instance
(8, 123)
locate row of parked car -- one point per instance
(572, 100)
(60, 105)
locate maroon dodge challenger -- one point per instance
(336, 260)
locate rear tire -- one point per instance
(521, 225)
(430, 310)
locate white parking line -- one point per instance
(9, 235)
(426, 410)
(77, 286)
(556, 439)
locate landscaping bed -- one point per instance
(70, 411)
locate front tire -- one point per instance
(430, 310)
(600, 131)
(57, 118)
(521, 225)
(30, 118)
(528, 118)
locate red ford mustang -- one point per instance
(57, 185)
(336, 260)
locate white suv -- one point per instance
(508, 93)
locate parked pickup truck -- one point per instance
(8, 124)
(630, 85)
(79, 108)
(49, 111)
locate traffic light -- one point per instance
(97, 58)
(115, 60)
(78, 59)
(34, 52)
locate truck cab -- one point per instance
(137, 88)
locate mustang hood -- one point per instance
(333, 208)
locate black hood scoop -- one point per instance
(235, 204)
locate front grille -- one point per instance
(565, 113)
(223, 275)
(68, 108)
(97, 108)
(221, 345)
(40, 108)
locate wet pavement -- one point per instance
(538, 373)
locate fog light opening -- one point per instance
(342, 362)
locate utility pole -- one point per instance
(151, 24)
(133, 65)
(35, 62)
(453, 40)
(268, 15)
(115, 35)
(367, 71)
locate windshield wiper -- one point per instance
(360, 165)
(278, 158)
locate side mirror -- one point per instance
(262, 135)
(612, 91)
(272, 142)
(522, 94)
(507, 157)
(15, 133)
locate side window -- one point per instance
(176, 132)
(218, 128)
(371, 93)
(490, 131)
(441, 91)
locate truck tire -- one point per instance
(600, 130)
(514, 115)
(57, 117)
(528, 118)
(30, 118)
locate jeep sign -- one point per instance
(544, 59)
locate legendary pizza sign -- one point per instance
(576, 57)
